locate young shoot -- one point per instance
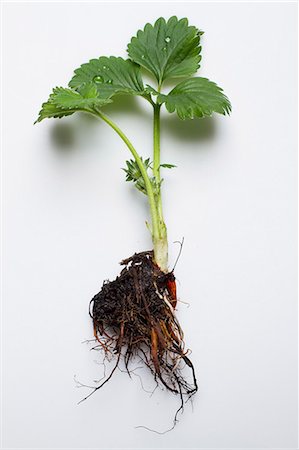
(137, 310)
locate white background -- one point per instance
(69, 217)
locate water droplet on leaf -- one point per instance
(98, 79)
(142, 56)
(164, 49)
(167, 39)
(110, 82)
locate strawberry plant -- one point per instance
(135, 313)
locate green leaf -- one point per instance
(110, 76)
(51, 110)
(168, 166)
(64, 102)
(133, 173)
(167, 49)
(196, 97)
(150, 90)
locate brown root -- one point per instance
(134, 315)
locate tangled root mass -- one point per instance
(135, 315)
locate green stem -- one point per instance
(156, 166)
(148, 184)
(160, 241)
(158, 229)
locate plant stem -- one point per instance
(156, 165)
(158, 228)
(160, 242)
(148, 185)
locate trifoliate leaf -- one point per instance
(167, 49)
(64, 102)
(196, 97)
(110, 76)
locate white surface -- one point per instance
(69, 218)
